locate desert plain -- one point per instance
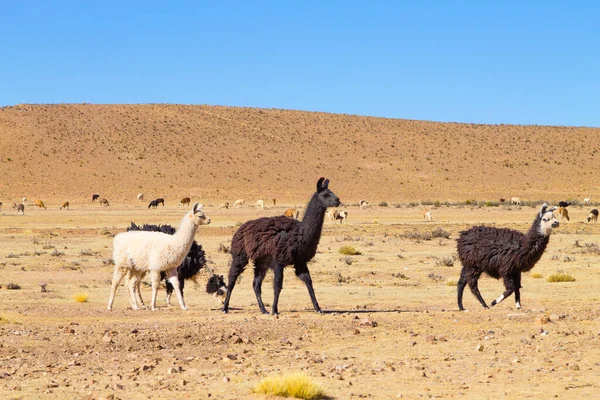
(391, 326)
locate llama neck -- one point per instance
(533, 246)
(312, 223)
(184, 236)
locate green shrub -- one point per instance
(349, 251)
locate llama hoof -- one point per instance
(225, 311)
(493, 303)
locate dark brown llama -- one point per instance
(502, 252)
(275, 242)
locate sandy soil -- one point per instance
(391, 327)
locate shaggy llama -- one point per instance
(275, 242)
(502, 252)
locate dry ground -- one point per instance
(391, 327)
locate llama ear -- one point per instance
(320, 184)
(543, 209)
(196, 207)
(326, 184)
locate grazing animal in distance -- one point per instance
(140, 197)
(502, 200)
(65, 205)
(153, 203)
(190, 268)
(224, 205)
(426, 215)
(184, 202)
(238, 202)
(564, 213)
(138, 252)
(39, 204)
(593, 215)
(502, 253)
(292, 213)
(515, 201)
(564, 204)
(587, 201)
(275, 242)
(274, 201)
(104, 202)
(260, 204)
(95, 197)
(341, 216)
(19, 207)
(363, 204)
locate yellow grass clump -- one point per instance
(349, 251)
(451, 282)
(560, 277)
(295, 385)
(536, 275)
(80, 297)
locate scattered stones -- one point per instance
(542, 319)
(479, 347)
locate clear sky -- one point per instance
(512, 62)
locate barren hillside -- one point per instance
(69, 151)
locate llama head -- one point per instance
(216, 285)
(547, 220)
(326, 197)
(197, 216)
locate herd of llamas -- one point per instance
(272, 243)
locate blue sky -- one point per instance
(512, 62)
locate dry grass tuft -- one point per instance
(536, 275)
(295, 385)
(80, 297)
(349, 251)
(560, 277)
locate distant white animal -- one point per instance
(586, 201)
(515, 201)
(239, 202)
(260, 204)
(224, 205)
(426, 215)
(140, 197)
(363, 204)
(341, 216)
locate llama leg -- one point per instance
(518, 292)
(277, 286)
(260, 270)
(472, 282)
(168, 286)
(238, 264)
(509, 284)
(303, 274)
(462, 282)
(116, 280)
(172, 277)
(137, 288)
(132, 281)
(155, 279)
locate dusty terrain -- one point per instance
(67, 152)
(391, 327)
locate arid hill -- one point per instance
(69, 151)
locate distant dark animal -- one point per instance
(65, 205)
(341, 216)
(19, 207)
(104, 202)
(95, 197)
(564, 204)
(0, 205)
(274, 201)
(275, 242)
(593, 215)
(502, 252)
(502, 200)
(160, 200)
(154, 203)
(189, 269)
(183, 202)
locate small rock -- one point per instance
(226, 379)
(172, 371)
(479, 347)
(555, 317)
(367, 322)
(430, 338)
(231, 357)
(106, 338)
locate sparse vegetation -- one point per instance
(297, 385)
(13, 286)
(223, 248)
(560, 277)
(536, 275)
(349, 251)
(80, 297)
